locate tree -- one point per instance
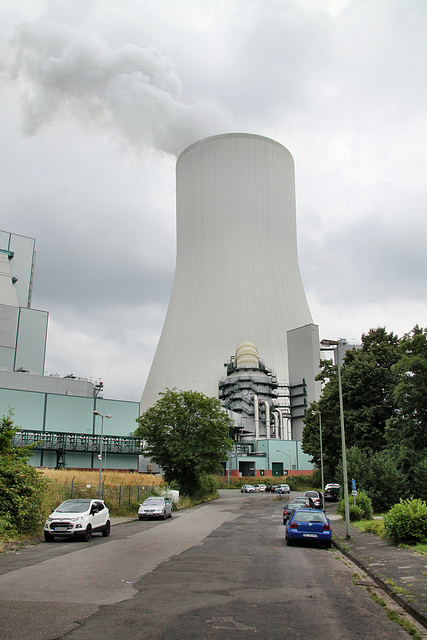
(407, 427)
(21, 486)
(367, 385)
(377, 474)
(188, 435)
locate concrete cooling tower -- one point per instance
(237, 274)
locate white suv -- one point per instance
(78, 517)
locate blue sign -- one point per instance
(353, 484)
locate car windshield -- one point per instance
(306, 516)
(291, 506)
(73, 506)
(152, 501)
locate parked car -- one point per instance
(306, 503)
(333, 485)
(247, 488)
(283, 488)
(260, 487)
(289, 508)
(316, 497)
(155, 507)
(332, 492)
(309, 525)
(79, 518)
(271, 488)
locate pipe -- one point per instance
(267, 418)
(256, 410)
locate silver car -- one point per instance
(155, 507)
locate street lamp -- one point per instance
(336, 343)
(96, 413)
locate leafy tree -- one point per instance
(188, 435)
(326, 411)
(377, 474)
(367, 385)
(407, 427)
(21, 486)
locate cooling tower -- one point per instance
(237, 275)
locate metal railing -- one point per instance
(60, 441)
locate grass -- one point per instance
(375, 526)
(113, 478)
(396, 617)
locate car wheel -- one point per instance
(48, 537)
(165, 515)
(107, 530)
(88, 533)
(141, 517)
(328, 544)
(289, 542)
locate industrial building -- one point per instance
(238, 293)
(55, 412)
(238, 326)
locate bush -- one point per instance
(407, 521)
(362, 510)
(207, 485)
(376, 527)
(355, 512)
(22, 488)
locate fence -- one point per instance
(115, 496)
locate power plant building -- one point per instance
(238, 326)
(238, 283)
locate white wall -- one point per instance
(237, 273)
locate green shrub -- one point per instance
(207, 485)
(363, 505)
(364, 502)
(303, 483)
(355, 512)
(407, 521)
(21, 486)
(376, 527)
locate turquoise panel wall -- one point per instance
(123, 417)
(69, 413)
(27, 406)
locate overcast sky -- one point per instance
(97, 99)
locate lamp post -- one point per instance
(336, 343)
(96, 413)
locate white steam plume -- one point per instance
(130, 90)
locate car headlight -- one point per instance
(49, 519)
(76, 519)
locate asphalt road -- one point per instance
(220, 571)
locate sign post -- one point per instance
(353, 490)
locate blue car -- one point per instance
(310, 525)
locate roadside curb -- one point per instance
(122, 520)
(412, 608)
